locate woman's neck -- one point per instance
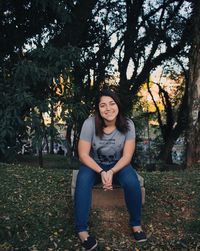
(109, 127)
(110, 123)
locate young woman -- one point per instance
(106, 147)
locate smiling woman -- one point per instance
(106, 147)
(108, 110)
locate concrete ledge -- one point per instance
(107, 199)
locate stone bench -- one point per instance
(107, 199)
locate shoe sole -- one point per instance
(141, 240)
(92, 247)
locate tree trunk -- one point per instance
(171, 133)
(40, 158)
(46, 142)
(193, 133)
(51, 131)
(68, 140)
(166, 151)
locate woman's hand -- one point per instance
(107, 178)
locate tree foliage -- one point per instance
(64, 52)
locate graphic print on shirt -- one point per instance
(106, 152)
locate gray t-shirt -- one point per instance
(108, 149)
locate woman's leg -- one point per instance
(83, 197)
(128, 179)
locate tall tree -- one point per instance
(174, 123)
(135, 34)
(193, 135)
(155, 32)
(34, 25)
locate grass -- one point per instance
(36, 211)
(35, 208)
(172, 209)
(49, 161)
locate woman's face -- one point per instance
(108, 108)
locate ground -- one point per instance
(169, 215)
(36, 212)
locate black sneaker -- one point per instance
(90, 243)
(140, 236)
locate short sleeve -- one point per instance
(131, 131)
(87, 130)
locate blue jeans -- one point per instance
(87, 178)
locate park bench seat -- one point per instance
(109, 199)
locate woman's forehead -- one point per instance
(106, 99)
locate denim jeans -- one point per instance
(87, 178)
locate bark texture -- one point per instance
(193, 134)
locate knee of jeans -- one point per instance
(131, 183)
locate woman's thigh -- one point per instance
(87, 176)
(127, 176)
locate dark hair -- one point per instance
(121, 121)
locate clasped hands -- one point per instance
(107, 180)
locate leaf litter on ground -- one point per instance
(36, 212)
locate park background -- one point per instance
(55, 57)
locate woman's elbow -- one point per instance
(128, 157)
(82, 157)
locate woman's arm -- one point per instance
(128, 151)
(84, 150)
(84, 155)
